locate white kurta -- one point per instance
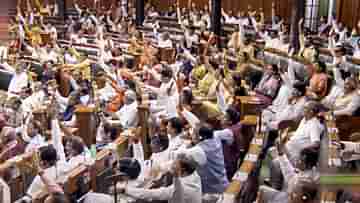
(18, 82)
(5, 191)
(183, 190)
(308, 132)
(128, 115)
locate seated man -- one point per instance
(153, 168)
(56, 193)
(307, 134)
(31, 133)
(269, 85)
(283, 173)
(176, 139)
(11, 147)
(14, 112)
(186, 185)
(286, 90)
(293, 111)
(166, 95)
(127, 116)
(48, 160)
(54, 160)
(19, 81)
(164, 41)
(347, 101)
(35, 100)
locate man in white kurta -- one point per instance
(307, 134)
(127, 116)
(18, 82)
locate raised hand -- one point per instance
(301, 21)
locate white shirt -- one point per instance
(33, 101)
(18, 82)
(69, 59)
(35, 143)
(183, 190)
(191, 39)
(341, 107)
(48, 56)
(5, 191)
(175, 143)
(308, 132)
(352, 147)
(106, 93)
(52, 173)
(128, 115)
(162, 92)
(165, 43)
(357, 53)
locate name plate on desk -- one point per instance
(84, 109)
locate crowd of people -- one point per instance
(195, 129)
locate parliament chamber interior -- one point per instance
(179, 101)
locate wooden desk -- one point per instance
(86, 124)
(87, 174)
(250, 120)
(249, 105)
(246, 167)
(333, 161)
(143, 113)
(347, 125)
(64, 83)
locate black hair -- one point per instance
(162, 141)
(206, 133)
(131, 167)
(310, 156)
(275, 68)
(308, 191)
(301, 87)
(77, 144)
(187, 93)
(187, 164)
(59, 198)
(233, 114)
(322, 65)
(167, 72)
(131, 84)
(177, 124)
(48, 154)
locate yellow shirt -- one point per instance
(199, 72)
(84, 68)
(205, 84)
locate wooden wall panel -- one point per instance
(347, 11)
(283, 7)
